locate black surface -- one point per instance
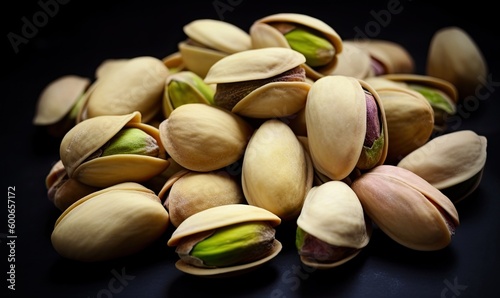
(82, 34)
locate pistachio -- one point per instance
(337, 143)
(453, 162)
(208, 41)
(133, 85)
(256, 223)
(270, 31)
(190, 192)
(317, 50)
(260, 83)
(59, 104)
(185, 87)
(203, 138)
(131, 141)
(228, 246)
(441, 95)
(277, 171)
(332, 228)
(407, 208)
(373, 146)
(81, 151)
(455, 57)
(114, 222)
(354, 61)
(388, 57)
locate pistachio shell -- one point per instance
(200, 137)
(336, 124)
(333, 213)
(407, 208)
(264, 35)
(135, 85)
(393, 57)
(112, 223)
(88, 136)
(455, 57)
(195, 191)
(254, 64)
(214, 39)
(57, 98)
(221, 216)
(218, 217)
(410, 121)
(277, 171)
(354, 61)
(109, 66)
(218, 35)
(448, 160)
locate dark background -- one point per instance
(81, 34)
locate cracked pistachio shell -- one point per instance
(410, 120)
(388, 56)
(203, 138)
(57, 98)
(450, 160)
(407, 208)
(88, 136)
(133, 85)
(209, 41)
(192, 192)
(277, 171)
(333, 213)
(218, 217)
(447, 90)
(275, 99)
(354, 61)
(263, 35)
(455, 57)
(336, 124)
(110, 223)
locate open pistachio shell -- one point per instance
(134, 85)
(455, 57)
(277, 171)
(263, 35)
(90, 135)
(407, 208)
(274, 99)
(203, 138)
(390, 56)
(450, 160)
(110, 223)
(209, 41)
(336, 124)
(218, 217)
(333, 213)
(447, 91)
(57, 98)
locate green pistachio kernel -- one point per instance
(235, 244)
(131, 141)
(317, 50)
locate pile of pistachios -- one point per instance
(237, 132)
